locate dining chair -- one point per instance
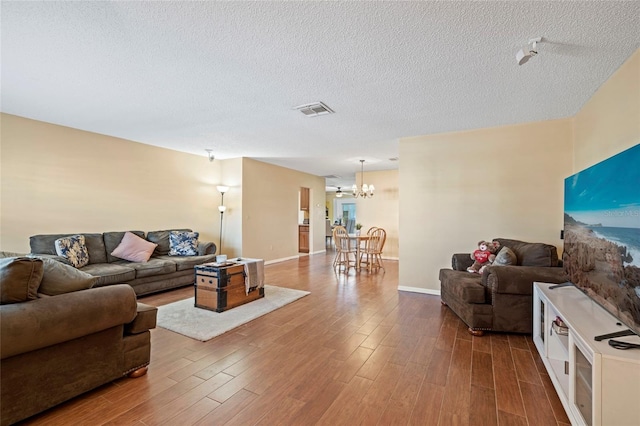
(373, 249)
(328, 233)
(344, 249)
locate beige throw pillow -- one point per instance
(505, 256)
(59, 278)
(20, 278)
(134, 248)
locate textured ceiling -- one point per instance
(226, 75)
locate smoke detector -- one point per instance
(314, 109)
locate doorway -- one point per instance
(345, 213)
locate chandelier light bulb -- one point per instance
(365, 191)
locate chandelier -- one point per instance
(365, 191)
(339, 193)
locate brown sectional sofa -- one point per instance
(501, 299)
(161, 272)
(57, 347)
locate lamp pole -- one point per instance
(221, 208)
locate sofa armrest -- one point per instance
(461, 261)
(206, 248)
(51, 320)
(145, 320)
(519, 279)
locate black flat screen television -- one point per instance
(602, 234)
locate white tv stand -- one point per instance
(597, 384)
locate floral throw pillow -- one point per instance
(183, 243)
(73, 249)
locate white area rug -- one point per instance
(202, 324)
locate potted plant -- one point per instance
(358, 228)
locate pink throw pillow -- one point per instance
(134, 248)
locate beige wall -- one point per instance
(232, 220)
(524, 195)
(57, 179)
(459, 188)
(609, 122)
(270, 210)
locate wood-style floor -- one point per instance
(355, 351)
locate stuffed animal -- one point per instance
(483, 256)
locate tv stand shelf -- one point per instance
(597, 384)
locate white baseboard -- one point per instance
(419, 290)
(283, 259)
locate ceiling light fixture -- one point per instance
(365, 191)
(210, 155)
(523, 56)
(339, 193)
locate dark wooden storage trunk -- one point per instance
(220, 288)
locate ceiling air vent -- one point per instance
(314, 109)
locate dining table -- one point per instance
(359, 239)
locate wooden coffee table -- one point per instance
(221, 286)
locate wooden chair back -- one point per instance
(378, 237)
(341, 238)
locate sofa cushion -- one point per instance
(151, 268)
(183, 243)
(20, 278)
(532, 254)
(463, 285)
(73, 249)
(161, 238)
(113, 239)
(134, 248)
(59, 278)
(109, 273)
(45, 244)
(505, 256)
(95, 246)
(188, 262)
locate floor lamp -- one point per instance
(221, 208)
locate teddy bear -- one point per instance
(483, 256)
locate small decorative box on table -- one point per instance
(222, 286)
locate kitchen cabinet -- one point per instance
(304, 199)
(303, 238)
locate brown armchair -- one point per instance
(501, 299)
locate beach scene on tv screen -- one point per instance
(602, 234)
